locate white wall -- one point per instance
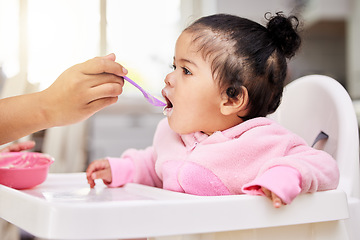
(323, 32)
(353, 49)
(255, 9)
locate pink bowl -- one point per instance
(22, 170)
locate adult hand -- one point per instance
(78, 93)
(83, 89)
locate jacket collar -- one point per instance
(192, 139)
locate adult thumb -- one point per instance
(110, 56)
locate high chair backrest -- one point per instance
(314, 104)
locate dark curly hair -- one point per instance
(245, 53)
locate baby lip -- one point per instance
(168, 102)
(164, 93)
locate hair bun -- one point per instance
(283, 31)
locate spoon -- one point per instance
(151, 99)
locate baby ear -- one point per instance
(237, 105)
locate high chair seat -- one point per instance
(64, 207)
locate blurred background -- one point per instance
(39, 39)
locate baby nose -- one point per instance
(169, 79)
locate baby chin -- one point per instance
(168, 111)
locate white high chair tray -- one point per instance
(64, 207)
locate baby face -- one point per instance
(193, 96)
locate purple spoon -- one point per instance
(151, 99)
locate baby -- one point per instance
(228, 75)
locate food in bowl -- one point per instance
(23, 170)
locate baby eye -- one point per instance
(186, 71)
(173, 66)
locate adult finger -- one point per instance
(110, 56)
(105, 90)
(101, 103)
(102, 78)
(102, 65)
(18, 147)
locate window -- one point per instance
(61, 33)
(143, 34)
(9, 37)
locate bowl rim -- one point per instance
(44, 155)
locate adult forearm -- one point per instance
(21, 116)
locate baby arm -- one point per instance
(136, 166)
(114, 172)
(280, 183)
(303, 170)
(308, 170)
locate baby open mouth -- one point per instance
(168, 108)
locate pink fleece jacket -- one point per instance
(258, 152)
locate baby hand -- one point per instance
(277, 202)
(99, 169)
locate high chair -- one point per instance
(314, 104)
(64, 207)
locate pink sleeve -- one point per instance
(137, 166)
(284, 181)
(318, 170)
(122, 171)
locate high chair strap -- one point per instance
(319, 137)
